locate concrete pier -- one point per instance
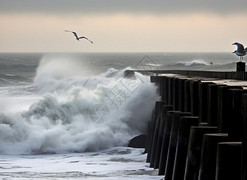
(193, 106)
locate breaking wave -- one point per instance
(193, 63)
(71, 112)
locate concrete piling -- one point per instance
(240, 70)
(224, 107)
(187, 96)
(203, 101)
(173, 143)
(157, 122)
(181, 95)
(165, 109)
(175, 97)
(155, 142)
(182, 145)
(244, 139)
(151, 129)
(165, 142)
(240, 66)
(208, 155)
(194, 150)
(156, 81)
(170, 91)
(164, 92)
(194, 95)
(228, 164)
(235, 120)
(212, 104)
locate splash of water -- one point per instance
(75, 113)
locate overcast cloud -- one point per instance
(123, 6)
(122, 25)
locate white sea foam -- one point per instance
(74, 113)
(115, 163)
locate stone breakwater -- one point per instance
(199, 128)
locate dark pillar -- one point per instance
(165, 109)
(170, 93)
(235, 130)
(223, 107)
(194, 98)
(165, 142)
(151, 128)
(228, 161)
(208, 156)
(181, 93)
(164, 89)
(240, 73)
(173, 144)
(156, 132)
(175, 90)
(182, 145)
(156, 81)
(244, 139)
(212, 104)
(203, 101)
(194, 151)
(187, 96)
(240, 66)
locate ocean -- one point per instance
(71, 115)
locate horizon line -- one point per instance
(48, 52)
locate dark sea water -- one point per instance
(71, 115)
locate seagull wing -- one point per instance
(73, 33)
(83, 37)
(240, 47)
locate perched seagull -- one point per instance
(240, 50)
(78, 38)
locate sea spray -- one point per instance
(59, 72)
(76, 113)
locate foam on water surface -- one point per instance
(114, 163)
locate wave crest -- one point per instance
(193, 63)
(78, 113)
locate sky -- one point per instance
(122, 25)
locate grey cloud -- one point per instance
(124, 6)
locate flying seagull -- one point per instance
(241, 52)
(78, 38)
